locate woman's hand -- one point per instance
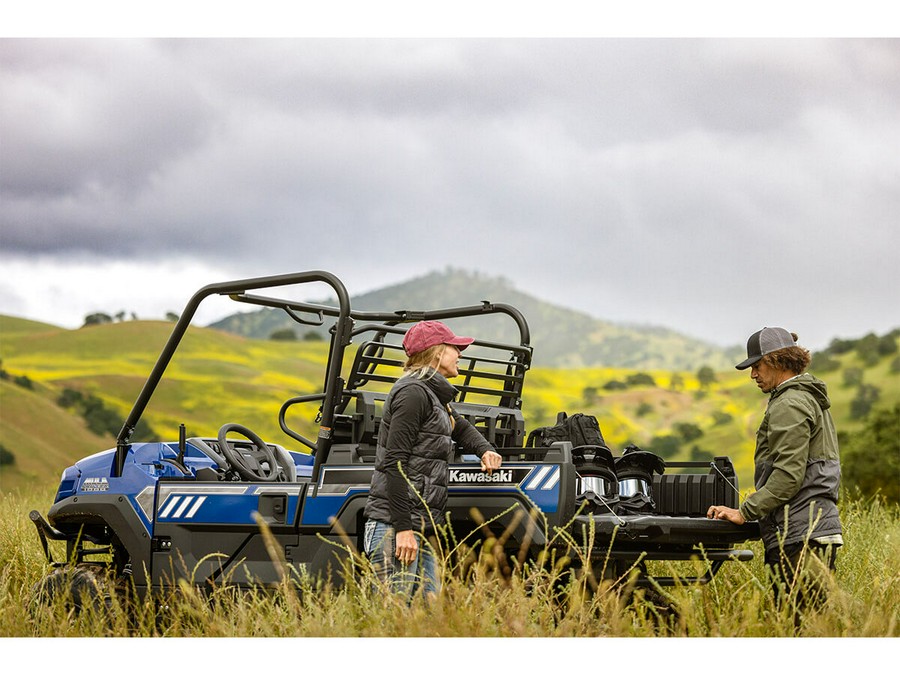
(490, 460)
(724, 513)
(407, 548)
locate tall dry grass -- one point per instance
(478, 598)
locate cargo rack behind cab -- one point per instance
(490, 382)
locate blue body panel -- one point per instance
(539, 483)
(180, 498)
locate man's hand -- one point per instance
(490, 460)
(724, 513)
(406, 546)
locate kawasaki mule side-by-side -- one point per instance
(200, 509)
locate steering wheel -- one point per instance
(257, 463)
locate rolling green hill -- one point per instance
(217, 377)
(564, 338)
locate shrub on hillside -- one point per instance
(638, 379)
(283, 334)
(666, 445)
(23, 381)
(853, 377)
(643, 409)
(822, 362)
(69, 398)
(839, 346)
(721, 418)
(887, 345)
(706, 376)
(100, 419)
(6, 457)
(688, 431)
(870, 458)
(20, 380)
(700, 455)
(96, 319)
(866, 396)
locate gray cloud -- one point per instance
(707, 185)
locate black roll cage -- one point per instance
(334, 394)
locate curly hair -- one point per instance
(793, 359)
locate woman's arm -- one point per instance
(471, 439)
(408, 409)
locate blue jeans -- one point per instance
(420, 574)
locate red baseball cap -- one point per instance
(427, 334)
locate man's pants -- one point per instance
(803, 572)
(421, 573)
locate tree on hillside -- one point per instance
(676, 383)
(721, 417)
(823, 362)
(283, 334)
(96, 319)
(853, 377)
(866, 397)
(700, 455)
(870, 459)
(638, 379)
(100, 419)
(688, 431)
(590, 395)
(706, 376)
(23, 381)
(6, 457)
(839, 346)
(887, 345)
(643, 409)
(664, 445)
(172, 316)
(867, 349)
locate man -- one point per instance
(797, 467)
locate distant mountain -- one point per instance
(561, 337)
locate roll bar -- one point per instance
(235, 289)
(342, 334)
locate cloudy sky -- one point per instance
(711, 186)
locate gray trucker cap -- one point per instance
(764, 342)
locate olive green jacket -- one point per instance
(798, 471)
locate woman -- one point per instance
(408, 494)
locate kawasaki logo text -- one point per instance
(476, 476)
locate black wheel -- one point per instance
(79, 586)
(257, 463)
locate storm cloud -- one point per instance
(708, 185)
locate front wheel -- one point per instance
(77, 587)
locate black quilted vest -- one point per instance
(428, 470)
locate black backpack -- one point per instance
(579, 429)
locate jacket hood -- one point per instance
(810, 384)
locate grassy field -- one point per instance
(483, 602)
(217, 378)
